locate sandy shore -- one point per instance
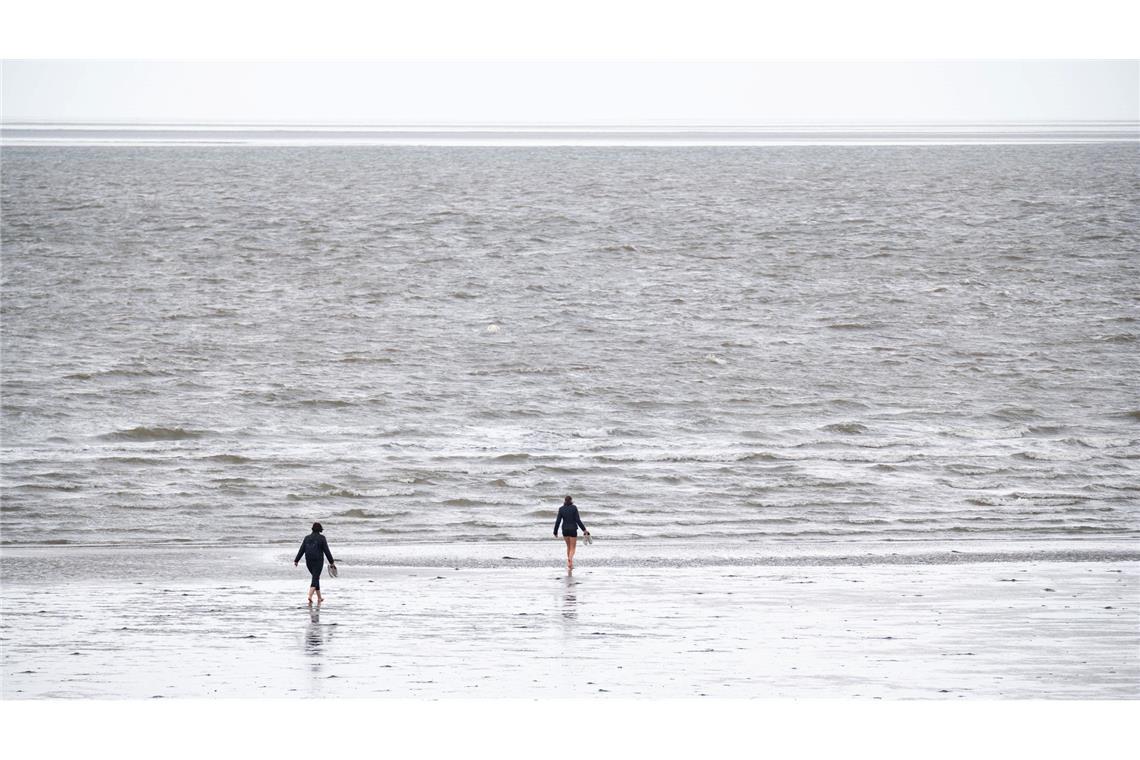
(652, 620)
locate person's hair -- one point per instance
(317, 528)
(568, 501)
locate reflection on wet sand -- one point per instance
(570, 599)
(317, 636)
(879, 630)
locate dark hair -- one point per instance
(317, 528)
(568, 501)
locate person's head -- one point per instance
(317, 528)
(567, 501)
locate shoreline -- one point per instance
(262, 560)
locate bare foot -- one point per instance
(320, 600)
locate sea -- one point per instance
(219, 337)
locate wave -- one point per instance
(519, 457)
(1060, 499)
(760, 456)
(672, 479)
(1029, 456)
(592, 433)
(157, 433)
(136, 460)
(1058, 530)
(1080, 442)
(40, 542)
(512, 369)
(473, 523)
(1043, 430)
(78, 206)
(45, 487)
(1014, 412)
(330, 492)
(848, 403)
(110, 373)
(345, 493)
(849, 428)
(231, 484)
(359, 514)
(429, 479)
(974, 469)
(227, 459)
(463, 503)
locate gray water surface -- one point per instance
(435, 344)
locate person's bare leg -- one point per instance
(311, 590)
(571, 545)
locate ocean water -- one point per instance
(782, 344)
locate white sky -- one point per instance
(569, 93)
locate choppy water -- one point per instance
(438, 343)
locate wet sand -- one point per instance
(644, 620)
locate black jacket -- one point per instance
(568, 513)
(312, 548)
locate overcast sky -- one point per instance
(566, 93)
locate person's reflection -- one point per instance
(570, 600)
(315, 636)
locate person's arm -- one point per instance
(325, 549)
(300, 553)
(581, 525)
(557, 522)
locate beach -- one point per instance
(847, 420)
(636, 619)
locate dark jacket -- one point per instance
(568, 513)
(312, 548)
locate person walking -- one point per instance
(314, 548)
(570, 521)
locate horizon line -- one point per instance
(676, 135)
(570, 126)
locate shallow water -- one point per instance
(427, 344)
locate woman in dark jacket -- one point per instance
(570, 520)
(314, 548)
